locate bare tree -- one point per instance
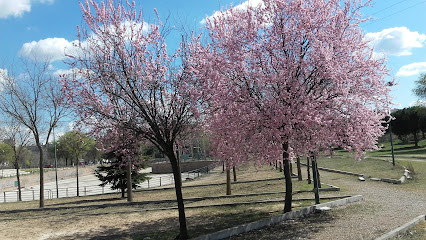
(33, 98)
(18, 138)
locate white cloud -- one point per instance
(51, 49)
(412, 69)
(398, 41)
(421, 103)
(54, 49)
(242, 7)
(16, 8)
(3, 74)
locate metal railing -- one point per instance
(154, 181)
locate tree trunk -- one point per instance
(41, 204)
(309, 171)
(78, 184)
(183, 231)
(19, 182)
(299, 170)
(129, 182)
(178, 164)
(287, 176)
(331, 152)
(318, 175)
(66, 162)
(416, 139)
(291, 169)
(315, 176)
(228, 182)
(123, 189)
(235, 173)
(281, 166)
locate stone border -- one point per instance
(403, 228)
(159, 188)
(402, 179)
(387, 180)
(340, 171)
(275, 219)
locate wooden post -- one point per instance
(299, 170)
(315, 176)
(129, 182)
(228, 182)
(309, 171)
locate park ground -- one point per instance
(153, 214)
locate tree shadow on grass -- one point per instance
(168, 228)
(420, 148)
(99, 200)
(300, 228)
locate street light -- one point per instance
(390, 131)
(390, 84)
(56, 163)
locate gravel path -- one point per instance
(385, 207)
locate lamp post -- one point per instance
(56, 164)
(390, 131)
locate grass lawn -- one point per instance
(111, 217)
(401, 149)
(414, 158)
(417, 232)
(369, 166)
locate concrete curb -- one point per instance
(206, 185)
(387, 180)
(403, 228)
(275, 219)
(401, 180)
(341, 172)
(186, 200)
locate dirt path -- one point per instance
(385, 207)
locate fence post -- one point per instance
(4, 196)
(85, 192)
(102, 189)
(17, 196)
(67, 192)
(33, 195)
(160, 181)
(148, 183)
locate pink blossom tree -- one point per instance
(129, 80)
(289, 77)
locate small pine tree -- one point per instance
(115, 174)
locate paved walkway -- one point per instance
(385, 207)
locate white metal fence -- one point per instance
(155, 181)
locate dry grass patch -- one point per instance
(110, 217)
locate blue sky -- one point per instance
(46, 27)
